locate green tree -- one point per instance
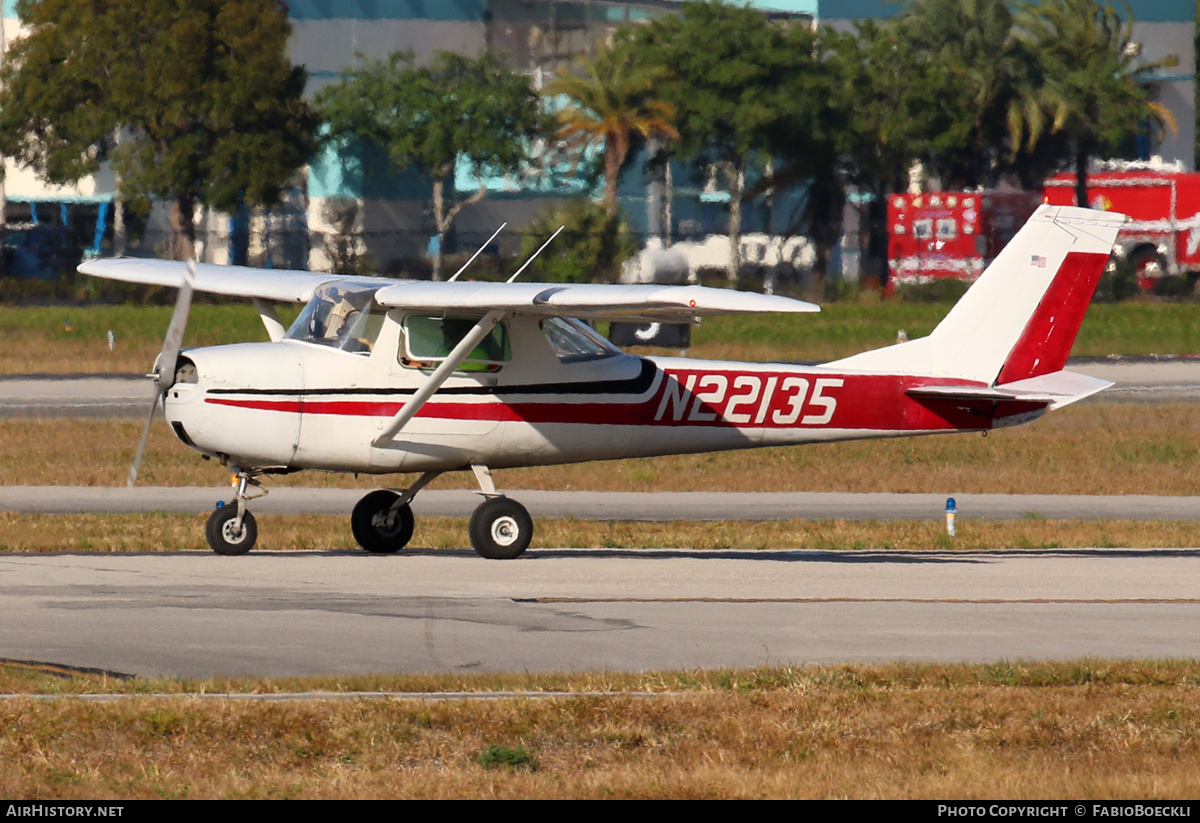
(611, 102)
(948, 84)
(886, 126)
(966, 66)
(209, 108)
(741, 85)
(431, 117)
(1087, 60)
(591, 247)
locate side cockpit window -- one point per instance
(574, 341)
(341, 317)
(429, 340)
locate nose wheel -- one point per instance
(231, 529)
(229, 534)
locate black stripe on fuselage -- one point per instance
(632, 385)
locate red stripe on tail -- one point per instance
(1048, 336)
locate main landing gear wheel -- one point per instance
(369, 522)
(500, 529)
(225, 536)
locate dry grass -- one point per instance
(160, 532)
(1093, 448)
(1091, 730)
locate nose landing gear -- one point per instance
(228, 534)
(231, 529)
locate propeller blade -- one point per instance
(164, 364)
(137, 458)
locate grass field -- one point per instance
(1091, 448)
(1089, 729)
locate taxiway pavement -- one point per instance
(196, 615)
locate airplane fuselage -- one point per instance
(303, 406)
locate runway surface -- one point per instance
(197, 615)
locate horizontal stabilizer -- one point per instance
(1058, 389)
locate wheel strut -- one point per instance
(231, 529)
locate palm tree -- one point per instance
(965, 65)
(610, 102)
(1091, 70)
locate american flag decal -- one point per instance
(1038, 261)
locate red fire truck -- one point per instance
(1163, 203)
(951, 233)
(956, 234)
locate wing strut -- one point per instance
(435, 381)
(270, 319)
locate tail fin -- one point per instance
(1020, 318)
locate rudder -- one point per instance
(1050, 333)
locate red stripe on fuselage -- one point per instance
(703, 398)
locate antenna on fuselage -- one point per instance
(535, 254)
(454, 276)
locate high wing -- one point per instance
(593, 301)
(279, 285)
(589, 300)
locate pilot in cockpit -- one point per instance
(339, 317)
(329, 321)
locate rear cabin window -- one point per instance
(429, 340)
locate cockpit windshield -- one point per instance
(340, 316)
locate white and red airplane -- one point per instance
(381, 376)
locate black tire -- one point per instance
(220, 533)
(500, 529)
(371, 530)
